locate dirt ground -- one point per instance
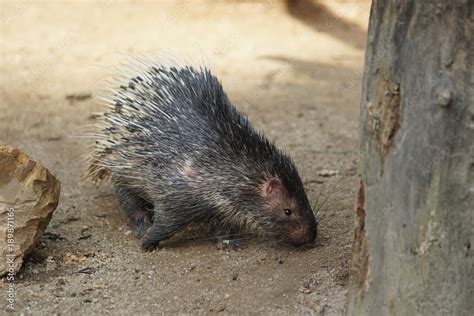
(295, 69)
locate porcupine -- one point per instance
(178, 152)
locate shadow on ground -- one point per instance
(321, 19)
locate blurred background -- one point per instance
(294, 67)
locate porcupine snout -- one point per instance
(303, 233)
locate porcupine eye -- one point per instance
(287, 211)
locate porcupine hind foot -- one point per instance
(138, 210)
(158, 232)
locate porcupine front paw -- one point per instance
(227, 239)
(149, 245)
(230, 244)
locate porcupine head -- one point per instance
(288, 206)
(173, 138)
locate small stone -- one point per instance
(444, 98)
(327, 172)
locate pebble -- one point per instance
(327, 172)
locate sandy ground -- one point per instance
(295, 70)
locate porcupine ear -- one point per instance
(273, 189)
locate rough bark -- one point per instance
(415, 213)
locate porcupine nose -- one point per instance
(303, 234)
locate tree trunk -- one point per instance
(412, 251)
